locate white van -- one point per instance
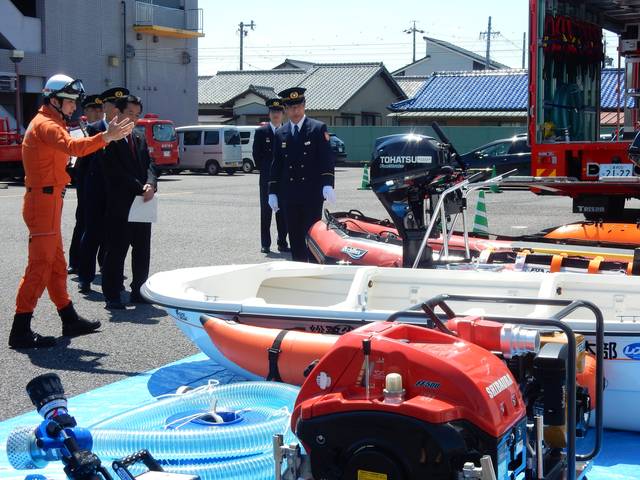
(209, 148)
(247, 134)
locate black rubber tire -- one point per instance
(247, 166)
(212, 167)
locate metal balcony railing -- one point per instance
(149, 14)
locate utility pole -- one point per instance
(488, 35)
(243, 33)
(413, 30)
(524, 48)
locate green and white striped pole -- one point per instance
(480, 222)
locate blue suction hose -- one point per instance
(241, 449)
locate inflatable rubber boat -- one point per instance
(425, 195)
(353, 238)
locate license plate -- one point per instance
(616, 170)
(166, 154)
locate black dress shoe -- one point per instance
(84, 287)
(265, 250)
(283, 248)
(114, 305)
(137, 298)
(72, 270)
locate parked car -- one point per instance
(247, 134)
(505, 155)
(337, 145)
(209, 148)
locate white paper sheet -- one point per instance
(144, 212)
(75, 133)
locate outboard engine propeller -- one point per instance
(407, 173)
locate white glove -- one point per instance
(329, 194)
(273, 202)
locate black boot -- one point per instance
(22, 336)
(73, 324)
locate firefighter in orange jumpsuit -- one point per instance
(46, 148)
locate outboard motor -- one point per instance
(407, 172)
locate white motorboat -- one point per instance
(336, 299)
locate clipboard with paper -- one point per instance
(144, 212)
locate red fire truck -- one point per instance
(10, 151)
(566, 59)
(161, 139)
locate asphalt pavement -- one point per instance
(203, 220)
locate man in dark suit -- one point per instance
(92, 244)
(302, 172)
(263, 156)
(92, 110)
(129, 172)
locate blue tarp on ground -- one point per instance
(620, 459)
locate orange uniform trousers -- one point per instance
(46, 267)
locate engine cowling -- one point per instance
(451, 411)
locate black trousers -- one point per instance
(265, 221)
(92, 245)
(300, 217)
(78, 229)
(120, 236)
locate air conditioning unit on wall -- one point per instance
(630, 39)
(7, 82)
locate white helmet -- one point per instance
(62, 86)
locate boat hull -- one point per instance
(337, 299)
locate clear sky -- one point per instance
(354, 31)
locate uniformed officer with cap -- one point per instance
(92, 110)
(302, 172)
(263, 156)
(93, 239)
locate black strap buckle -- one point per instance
(274, 351)
(274, 354)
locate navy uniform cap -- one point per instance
(275, 104)
(113, 94)
(92, 101)
(293, 95)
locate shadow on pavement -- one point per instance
(141, 314)
(64, 357)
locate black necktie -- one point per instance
(134, 153)
(132, 147)
(296, 131)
